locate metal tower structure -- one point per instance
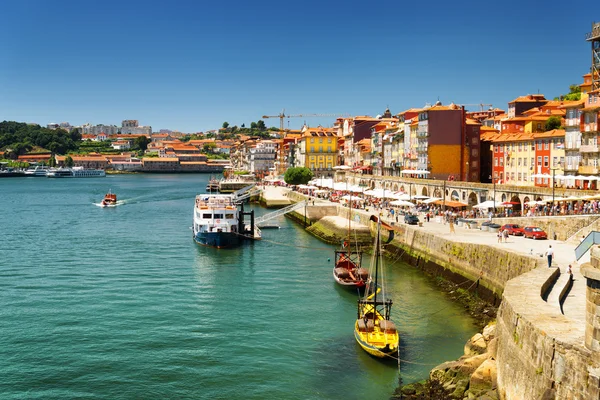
(594, 38)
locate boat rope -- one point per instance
(285, 244)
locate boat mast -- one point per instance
(376, 266)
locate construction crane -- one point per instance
(283, 116)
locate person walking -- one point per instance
(451, 222)
(550, 255)
(499, 236)
(505, 234)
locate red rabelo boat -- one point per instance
(347, 269)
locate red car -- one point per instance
(513, 229)
(533, 232)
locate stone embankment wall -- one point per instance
(491, 266)
(541, 353)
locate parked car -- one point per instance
(533, 232)
(411, 219)
(513, 229)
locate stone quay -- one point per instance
(547, 329)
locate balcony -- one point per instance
(588, 148)
(572, 145)
(588, 169)
(571, 167)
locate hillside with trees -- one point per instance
(17, 138)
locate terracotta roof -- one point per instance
(163, 159)
(470, 121)
(529, 98)
(552, 133)
(415, 110)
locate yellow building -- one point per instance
(320, 148)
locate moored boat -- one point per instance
(212, 185)
(373, 330)
(75, 172)
(218, 222)
(347, 268)
(36, 171)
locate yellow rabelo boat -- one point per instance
(373, 329)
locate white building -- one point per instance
(262, 157)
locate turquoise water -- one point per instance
(120, 303)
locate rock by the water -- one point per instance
(475, 345)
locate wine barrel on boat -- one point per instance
(342, 272)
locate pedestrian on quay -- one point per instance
(499, 236)
(451, 222)
(550, 255)
(570, 272)
(505, 234)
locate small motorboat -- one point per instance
(110, 200)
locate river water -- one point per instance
(120, 303)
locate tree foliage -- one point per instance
(20, 137)
(574, 94)
(141, 142)
(209, 147)
(225, 125)
(69, 161)
(297, 176)
(553, 122)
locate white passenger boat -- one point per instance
(37, 171)
(75, 172)
(218, 222)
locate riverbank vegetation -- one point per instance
(18, 138)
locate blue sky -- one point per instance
(190, 65)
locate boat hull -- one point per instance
(360, 284)
(385, 344)
(217, 239)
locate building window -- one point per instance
(329, 140)
(554, 161)
(312, 139)
(545, 161)
(501, 161)
(539, 161)
(546, 145)
(519, 162)
(539, 145)
(495, 161)
(539, 125)
(519, 176)
(524, 161)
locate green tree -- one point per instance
(297, 176)
(141, 142)
(253, 125)
(552, 123)
(260, 125)
(574, 94)
(225, 125)
(243, 126)
(209, 147)
(52, 162)
(69, 161)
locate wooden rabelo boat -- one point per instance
(373, 330)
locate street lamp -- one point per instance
(553, 173)
(493, 178)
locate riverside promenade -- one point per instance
(541, 322)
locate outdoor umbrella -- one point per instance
(402, 203)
